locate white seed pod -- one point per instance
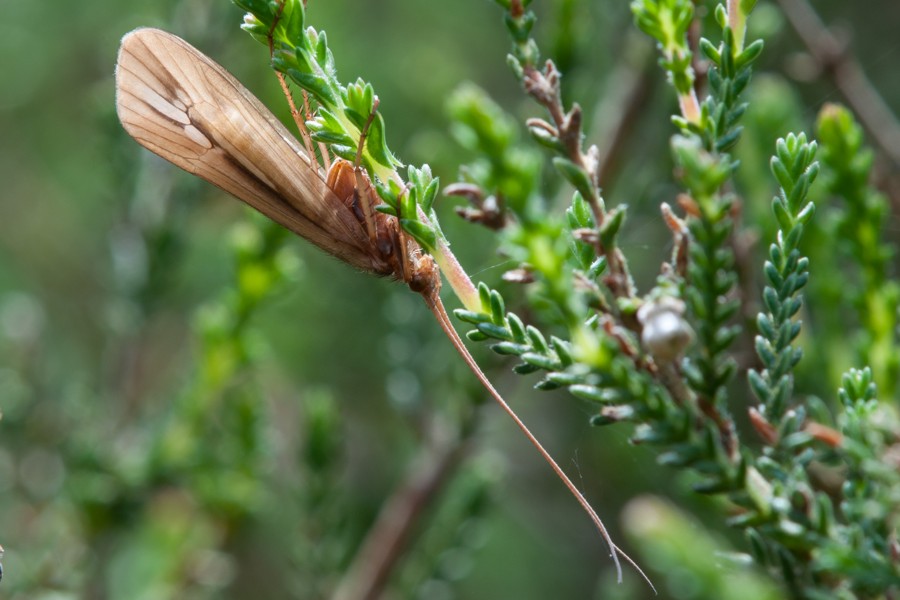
(666, 334)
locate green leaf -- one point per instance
(589, 392)
(537, 339)
(332, 138)
(539, 360)
(721, 16)
(575, 175)
(319, 41)
(764, 351)
(408, 207)
(547, 139)
(782, 216)
(759, 386)
(387, 209)
(562, 350)
(430, 194)
(597, 268)
(495, 331)
(389, 193)
(546, 385)
(484, 294)
(262, 9)
(360, 98)
(782, 174)
(710, 51)
(582, 212)
(750, 54)
(612, 225)
(292, 21)
(471, 317)
(509, 348)
(317, 86)
(564, 378)
(498, 309)
(476, 336)
(765, 326)
(422, 233)
(516, 329)
(376, 144)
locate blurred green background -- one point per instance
(114, 269)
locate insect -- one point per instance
(181, 105)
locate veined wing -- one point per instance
(181, 105)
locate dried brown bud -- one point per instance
(520, 275)
(469, 191)
(586, 235)
(766, 430)
(675, 224)
(535, 123)
(828, 435)
(688, 205)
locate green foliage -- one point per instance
(677, 395)
(667, 22)
(404, 203)
(727, 81)
(304, 56)
(859, 227)
(345, 121)
(678, 541)
(503, 165)
(153, 448)
(528, 343)
(786, 273)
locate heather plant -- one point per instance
(755, 360)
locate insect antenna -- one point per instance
(433, 300)
(364, 188)
(295, 114)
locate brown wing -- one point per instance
(181, 105)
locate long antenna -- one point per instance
(433, 300)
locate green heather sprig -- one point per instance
(827, 542)
(715, 120)
(164, 479)
(504, 169)
(573, 266)
(707, 131)
(680, 405)
(859, 229)
(404, 202)
(594, 368)
(865, 541)
(710, 277)
(346, 121)
(528, 343)
(728, 76)
(227, 350)
(668, 21)
(343, 112)
(598, 268)
(786, 275)
(563, 135)
(505, 178)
